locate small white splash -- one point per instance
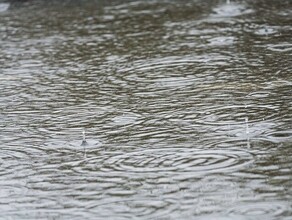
(4, 7)
(247, 132)
(84, 142)
(230, 9)
(246, 123)
(265, 31)
(221, 41)
(83, 134)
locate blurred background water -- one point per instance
(186, 107)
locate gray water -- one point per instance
(186, 107)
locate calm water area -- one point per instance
(186, 107)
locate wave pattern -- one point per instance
(186, 110)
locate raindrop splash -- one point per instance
(247, 132)
(84, 142)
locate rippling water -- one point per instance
(186, 107)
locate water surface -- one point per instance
(186, 107)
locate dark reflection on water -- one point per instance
(186, 106)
